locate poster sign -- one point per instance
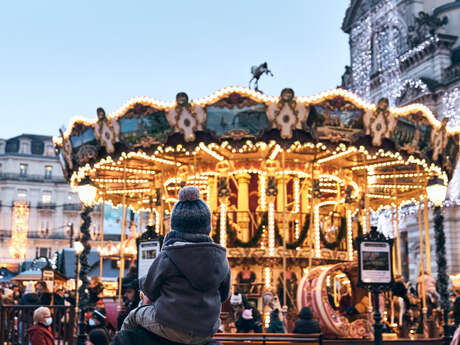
(48, 278)
(147, 252)
(375, 262)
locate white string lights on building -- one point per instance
(450, 103)
(375, 43)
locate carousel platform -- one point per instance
(313, 339)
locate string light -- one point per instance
(271, 229)
(223, 224)
(275, 152)
(211, 152)
(262, 187)
(296, 195)
(267, 277)
(349, 236)
(317, 233)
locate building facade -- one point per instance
(31, 181)
(409, 52)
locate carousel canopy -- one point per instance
(338, 146)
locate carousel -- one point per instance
(290, 181)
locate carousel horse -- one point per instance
(257, 72)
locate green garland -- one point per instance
(302, 235)
(233, 239)
(340, 235)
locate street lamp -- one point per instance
(436, 191)
(87, 194)
(86, 191)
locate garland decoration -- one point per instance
(302, 235)
(342, 232)
(232, 237)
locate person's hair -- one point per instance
(98, 337)
(38, 314)
(43, 285)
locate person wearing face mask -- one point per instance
(97, 321)
(40, 333)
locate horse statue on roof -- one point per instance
(257, 72)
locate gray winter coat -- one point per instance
(187, 283)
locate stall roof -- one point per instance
(34, 274)
(108, 271)
(68, 263)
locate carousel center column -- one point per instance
(243, 205)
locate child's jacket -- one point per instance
(187, 283)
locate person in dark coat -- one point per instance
(275, 326)
(188, 280)
(43, 293)
(98, 337)
(29, 297)
(140, 336)
(95, 289)
(246, 323)
(40, 332)
(306, 324)
(130, 301)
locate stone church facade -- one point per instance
(409, 52)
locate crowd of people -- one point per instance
(179, 300)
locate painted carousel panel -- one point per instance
(247, 119)
(146, 129)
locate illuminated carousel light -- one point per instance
(275, 152)
(262, 187)
(317, 233)
(223, 224)
(271, 229)
(349, 236)
(267, 277)
(211, 152)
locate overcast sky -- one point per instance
(59, 59)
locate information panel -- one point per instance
(148, 251)
(375, 262)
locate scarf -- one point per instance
(176, 236)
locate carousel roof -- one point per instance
(149, 145)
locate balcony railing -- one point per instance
(30, 178)
(72, 207)
(46, 206)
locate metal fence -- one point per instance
(16, 320)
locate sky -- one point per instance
(59, 59)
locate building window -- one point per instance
(49, 150)
(23, 170)
(22, 194)
(48, 172)
(25, 148)
(46, 197)
(41, 251)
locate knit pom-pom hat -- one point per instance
(191, 214)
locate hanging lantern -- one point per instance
(436, 191)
